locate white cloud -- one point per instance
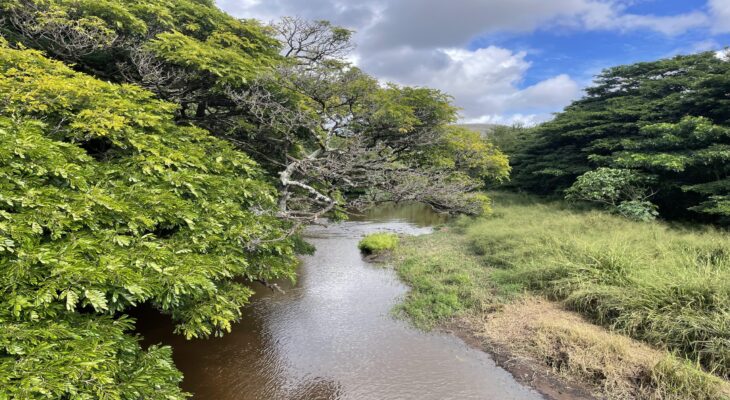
(724, 55)
(422, 42)
(668, 25)
(512, 119)
(439, 23)
(421, 23)
(485, 82)
(720, 11)
(703, 45)
(549, 94)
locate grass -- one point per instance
(444, 280)
(617, 366)
(376, 243)
(666, 286)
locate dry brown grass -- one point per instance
(616, 366)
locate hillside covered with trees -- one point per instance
(164, 153)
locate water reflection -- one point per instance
(332, 335)
(413, 213)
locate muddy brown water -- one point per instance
(333, 334)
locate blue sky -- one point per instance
(508, 61)
(582, 54)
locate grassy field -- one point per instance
(668, 287)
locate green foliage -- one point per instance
(607, 185)
(106, 203)
(84, 357)
(111, 25)
(638, 210)
(185, 51)
(465, 150)
(510, 139)
(297, 113)
(666, 120)
(620, 189)
(378, 242)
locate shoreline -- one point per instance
(525, 370)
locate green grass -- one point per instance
(667, 286)
(444, 277)
(375, 243)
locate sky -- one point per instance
(508, 61)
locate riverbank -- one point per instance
(571, 301)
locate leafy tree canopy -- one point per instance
(667, 121)
(106, 203)
(117, 189)
(283, 94)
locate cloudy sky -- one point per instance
(508, 61)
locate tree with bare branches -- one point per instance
(332, 136)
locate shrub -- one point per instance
(620, 190)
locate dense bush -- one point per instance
(621, 190)
(105, 204)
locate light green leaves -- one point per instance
(96, 299)
(622, 191)
(105, 203)
(71, 299)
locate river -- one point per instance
(333, 335)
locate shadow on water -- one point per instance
(332, 335)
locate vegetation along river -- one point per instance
(333, 334)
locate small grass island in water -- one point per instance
(378, 243)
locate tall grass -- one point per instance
(446, 279)
(668, 286)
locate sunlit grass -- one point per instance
(375, 243)
(445, 279)
(617, 366)
(664, 285)
(667, 286)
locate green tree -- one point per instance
(283, 94)
(105, 204)
(692, 154)
(666, 120)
